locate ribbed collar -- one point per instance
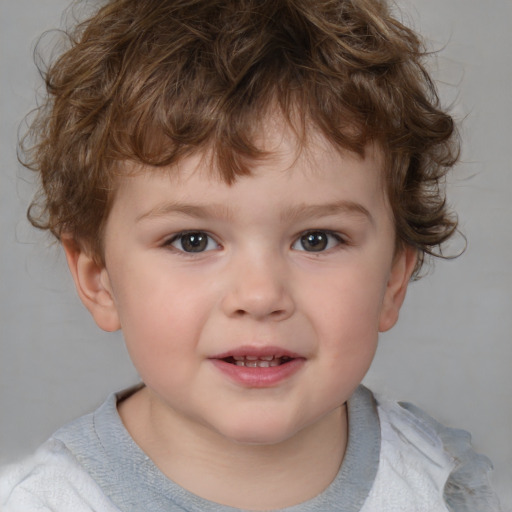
(129, 478)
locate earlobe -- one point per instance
(93, 285)
(403, 267)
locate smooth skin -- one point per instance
(298, 257)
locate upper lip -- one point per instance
(252, 351)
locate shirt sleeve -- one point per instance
(468, 487)
(50, 481)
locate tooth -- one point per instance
(251, 358)
(274, 362)
(267, 358)
(240, 363)
(251, 364)
(263, 364)
(238, 358)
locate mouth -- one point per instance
(257, 361)
(259, 367)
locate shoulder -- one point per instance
(434, 459)
(50, 480)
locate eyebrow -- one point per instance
(190, 210)
(295, 213)
(343, 207)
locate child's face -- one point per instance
(254, 309)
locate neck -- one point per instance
(251, 477)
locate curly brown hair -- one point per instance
(152, 81)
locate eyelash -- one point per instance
(325, 239)
(330, 237)
(181, 236)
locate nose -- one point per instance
(258, 288)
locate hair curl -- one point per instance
(151, 81)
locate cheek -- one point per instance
(349, 303)
(160, 318)
(346, 320)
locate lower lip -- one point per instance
(259, 377)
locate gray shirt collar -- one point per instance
(129, 478)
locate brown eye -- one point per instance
(317, 241)
(314, 241)
(193, 241)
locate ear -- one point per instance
(400, 275)
(92, 284)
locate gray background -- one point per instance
(452, 350)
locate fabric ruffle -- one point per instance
(468, 487)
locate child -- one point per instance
(245, 189)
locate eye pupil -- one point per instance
(194, 242)
(314, 241)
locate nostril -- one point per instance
(274, 314)
(278, 313)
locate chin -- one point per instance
(258, 431)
